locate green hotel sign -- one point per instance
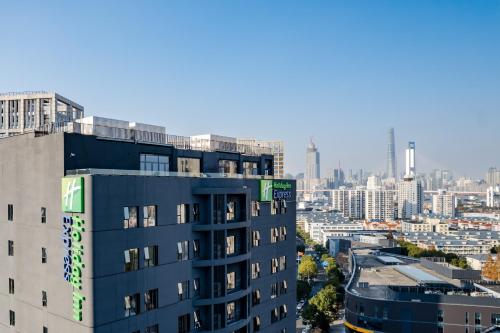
(72, 191)
(275, 190)
(72, 194)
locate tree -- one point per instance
(301, 248)
(315, 317)
(308, 268)
(320, 249)
(303, 289)
(325, 301)
(491, 269)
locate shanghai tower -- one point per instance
(391, 155)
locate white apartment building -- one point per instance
(428, 225)
(493, 196)
(410, 197)
(443, 203)
(351, 203)
(379, 205)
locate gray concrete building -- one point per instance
(121, 234)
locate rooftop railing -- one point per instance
(136, 135)
(120, 172)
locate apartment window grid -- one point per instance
(183, 290)
(44, 255)
(43, 213)
(149, 218)
(151, 299)
(10, 212)
(255, 208)
(130, 217)
(132, 305)
(153, 162)
(183, 250)
(11, 286)
(10, 250)
(131, 260)
(151, 256)
(278, 207)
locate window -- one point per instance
(477, 318)
(196, 286)
(12, 318)
(466, 317)
(250, 168)
(255, 238)
(149, 218)
(255, 270)
(196, 212)
(43, 218)
(256, 324)
(191, 165)
(183, 290)
(255, 208)
(132, 305)
(385, 313)
(274, 235)
(282, 234)
(11, 286)
(227, 166)
(278, 207)
(197, 321)
(274, 315)
(183, 250)
(196, 248)
(283, 287)
(151, 299)
(495, 319)
(231, 280)
(151, 256)
(255, 297)
(130, 217)
(230, 311)
(440, 315)
(274, 265)
(10, 212)
(283, 206)
(153, 162)
(282, 263)
(44, 298)
(182, 213)
(218, 208)
(283, 311)
(152, 329)
(229, 245)
(11, 248)
(44, 255)
(274, 290)
(184, 323)
(230, 211)
(45, 330)
(131, 260)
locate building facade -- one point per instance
(124, 235)
(312, 173)
(443, 203)
(379, 205)
(410, 198)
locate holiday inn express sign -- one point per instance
(72, 201)
(275, 190)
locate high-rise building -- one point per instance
(443, 203)
(379, 204)
(105, 230)
(493, 176)
(35, 110)
(410, 191)
(373, 183)
(493, 197)
(312, 165)
(391, 154)
(410, 171)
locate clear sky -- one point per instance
(339, 71)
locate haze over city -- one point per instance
(341, 72)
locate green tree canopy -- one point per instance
(308, 268)
(325, 302)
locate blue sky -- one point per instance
(339, 71)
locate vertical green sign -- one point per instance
(266, 190)
(72, 190)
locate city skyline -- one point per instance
(430, 71)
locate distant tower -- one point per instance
(312, 164)
(391, 154)
(410, 172)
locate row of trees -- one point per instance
(412, 250)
